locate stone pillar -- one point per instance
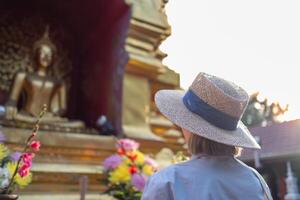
(291, 185)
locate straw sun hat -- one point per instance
(211, 108)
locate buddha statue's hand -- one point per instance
(60, 112)
(10, 112)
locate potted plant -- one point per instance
(15, 166)
(127, 171)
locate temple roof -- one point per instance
(277, 141)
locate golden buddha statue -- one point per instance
(39, 88)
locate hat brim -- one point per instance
(170, 104)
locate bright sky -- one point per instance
(253, 43)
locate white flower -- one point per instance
(1, 172)
(4, 183)
(4, 173)
(4, 177)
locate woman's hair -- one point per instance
(200, 145)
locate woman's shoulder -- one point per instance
(159, 184)
(166, 174)
(169, 173)
(246, 167)
(178, 166)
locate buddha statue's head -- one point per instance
(44, 51)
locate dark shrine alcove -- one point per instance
(91, 36)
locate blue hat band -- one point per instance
(215, 117)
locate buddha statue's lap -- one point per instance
(49, 119)
(40, 89)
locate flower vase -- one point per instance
(8, 196)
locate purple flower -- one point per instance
(15, 156)
(138, 181)
(150, 161)
(112, 162)
(2, 137)
(128, 145)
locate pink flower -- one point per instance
(35, 145)
(151, 162)
(128, 145)
(26, 164)
(27, 157)
(33, 134)
(138, 181)
(112, 162)
(26, 161)
(23, 171)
